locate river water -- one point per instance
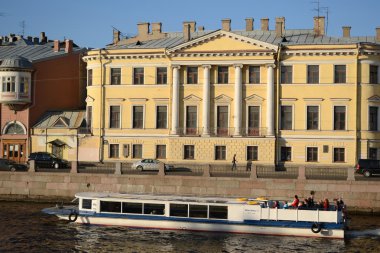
(24, 228)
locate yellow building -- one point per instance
(271, 96)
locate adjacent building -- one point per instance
(36, 75)
(270, 96)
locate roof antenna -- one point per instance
(23, 25)
(318, 9)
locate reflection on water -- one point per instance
(24, 228)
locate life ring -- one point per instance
(316, 228)
(73, 216)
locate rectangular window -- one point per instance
(340, 74)
(374, 74)
(188, 152)
(130, 207)
(312, 74)
(191, 120)
(312, 117)
(223, 74)
(89, 117)
(252, 153)
(218, 212)
(162, 75)
(86, 203)
(192, 75)
(286, 74)
(222, 120)
(286, 117)
(198, 211)
(254, 74)
(137, 151)
(220, 152)
(9, 84)
(154, 209)
(161, 118)
(110, 206)
(89, 77)
(372, 153)
(114, 150)
(339, 117)
(24, 85)
(286, 154)
(161, 151)
(138, 76)
(179, 210)
(115, 76)
(253, 120)
(373, 118)
(338, 155)
(115, 116)
(312, 154)
(138, 117)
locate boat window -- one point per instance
(198, 211)
(86, 203)
(156, 209)
(129, 207)
(110, 206)
(218, 212)
(179, 210)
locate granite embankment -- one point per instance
(50, 186)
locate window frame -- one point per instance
(115, 76)
(340, 74)
(307, 154)
(282, 159)
(188, 128)
(161, 78)
(336, 156)
(254, 152)
(160, 152)
(282, 118)
(134, 151)
(114, 150)
(373, 75)
(187, 153)
(286, 77)
(90, 73)
(133, 117)
(111, 126)
(254, 76)
(372, 127)
(161, 121)
(89, 116)
(221, 152)
(138, 78)
(192, 76)
(307, 118)
(335, 128)
(313, 74)
(222, 75)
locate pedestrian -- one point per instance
(249, 165)
(234, 162)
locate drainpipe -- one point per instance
(358, 104)
(276, 137)
(101, 126)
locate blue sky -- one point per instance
(89, 22)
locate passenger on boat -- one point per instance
(276, 204)
(326, 204)
(302, 205)
(295, 202)
(286, 205)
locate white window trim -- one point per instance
(183, 148)
(109, 116)
(293, 117)
(10, 123)
(319, 74)
(246, 152)
(333, 81)
(220, 145)
(185, 118)
(133, 153)
(133, 75)
(333, 118)
(318, 154)
(216, 117)
(287, 65)
(110, 75)
(109, 151)
(247, 75)
(247, 115)
(155, 118)
(378, 117)
(319, 117)
(133, 105)
(345, 154)
(92, 79)
(156, 79)
(155, 151)
(291, 153)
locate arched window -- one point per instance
(14, 128)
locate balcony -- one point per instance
(14, 98)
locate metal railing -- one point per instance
(326, 173)
(277, 172)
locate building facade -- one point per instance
(269, 96)
(36, 75)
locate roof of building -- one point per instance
(16, 61)
(290, 37)
(31, 51)
(62, 119)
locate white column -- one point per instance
(270, 99)
(206, 101)
(238, 100)
(175, 101)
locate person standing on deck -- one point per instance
(234, 162)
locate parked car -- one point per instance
(10, 165)
(47, 160)
(368, 167)
(149, 164)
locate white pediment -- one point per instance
(257, 44)
(254, 98)
(192, 98)
(89, 99)
(375, 99)
(223, 99)
(61, 122)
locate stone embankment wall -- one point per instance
(358, 195)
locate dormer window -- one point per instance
(9, 83)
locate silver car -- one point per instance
(149, 164)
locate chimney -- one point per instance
(265, 24)
(319, 26)
(116, 36)
(192, 25)
(43, 38)
(201, 28)
(280, 26)
(68, 46)
(186, 31)
(143, 29)
(56, 46)
(156, 28)
(226, 24)
(30, 38)
(346, 31)
(36, 40)
(378, 33)
(249, 24)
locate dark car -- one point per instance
(47, 160)
(10, 165)
(368, 167)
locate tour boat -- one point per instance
(242, 215)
